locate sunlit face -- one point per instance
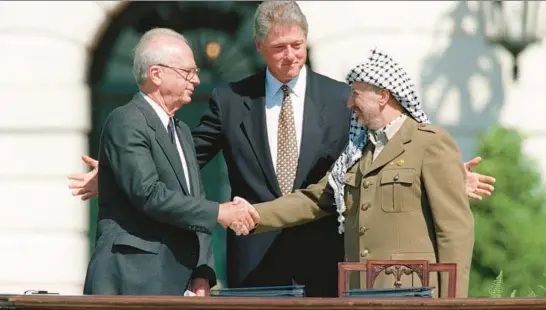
(366, 102)
(180, 79)
(177, 77)
(284, 50)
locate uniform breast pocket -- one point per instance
(396, 188)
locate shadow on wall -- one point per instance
(461, 80)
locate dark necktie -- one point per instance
(170, 129)
(172, 135)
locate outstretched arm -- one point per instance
(477, 185)
(208, 136)
(300, 207)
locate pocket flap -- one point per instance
(136, 242)
(406, 176)
(350, 179)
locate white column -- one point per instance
(44, 121)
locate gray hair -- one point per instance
(271, 12)
(147, 54)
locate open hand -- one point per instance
(85, 184)
(477, 185)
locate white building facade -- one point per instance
(46, 106)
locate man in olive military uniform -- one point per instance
(398, 187)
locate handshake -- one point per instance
(239, 215)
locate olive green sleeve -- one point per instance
(300, 207)
(443, 175)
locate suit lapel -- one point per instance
(311, 131)
(394, 147)
(163, 139)
(191, 161)
(255, 129)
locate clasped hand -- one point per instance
(239, 215)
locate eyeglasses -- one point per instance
(190, 72)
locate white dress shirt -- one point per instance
(164, 117)
(273, 103)
(381, 137)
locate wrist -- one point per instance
(222, 214)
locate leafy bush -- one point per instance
(511, 224)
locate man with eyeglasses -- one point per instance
(154, 224)
(279, 130)
(189, 73)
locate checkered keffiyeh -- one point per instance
(381, 71)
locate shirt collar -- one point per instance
(163, 116)
(383, 135)
(296, 85)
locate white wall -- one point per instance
(44, 120)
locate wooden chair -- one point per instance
(397, 268)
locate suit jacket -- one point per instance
(152, 232)
(235, 123)
(410, 203)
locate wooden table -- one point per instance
(13, 302)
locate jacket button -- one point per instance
(366, 184)
(364, 253)
(363, 230)
(365, 206)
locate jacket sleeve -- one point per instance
(125, 145)
(297, 208)
(207, 136)
(443, 177)
(205, 265)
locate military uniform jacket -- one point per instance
(409, 203)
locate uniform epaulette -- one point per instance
(427, 127)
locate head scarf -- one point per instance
(382, 71)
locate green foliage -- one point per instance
(497, 289)
(511, 224)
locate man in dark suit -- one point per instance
(154, 224)
(237, 124)
(279, 130)
(267, 156)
